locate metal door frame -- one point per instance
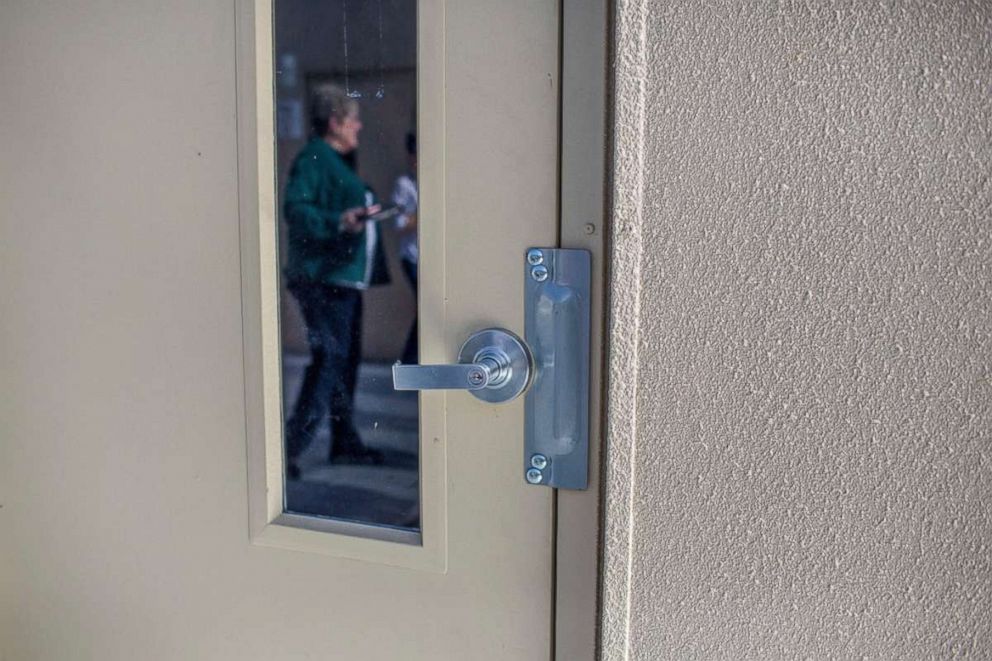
(584, 35)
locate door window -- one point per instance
(346, 175)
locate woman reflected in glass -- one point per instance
(334, 254)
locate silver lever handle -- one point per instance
(441, 377)
(493, 364)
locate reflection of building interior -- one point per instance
(369, 50)
(377, 65)
(387, 421)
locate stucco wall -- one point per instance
(799, 455)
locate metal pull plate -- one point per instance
(556, 329)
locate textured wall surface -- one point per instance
(799, 457)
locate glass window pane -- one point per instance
(346, 159)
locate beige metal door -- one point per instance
(139, 471)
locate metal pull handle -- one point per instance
(493, 364)
(556, 413)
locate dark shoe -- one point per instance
(358, 456)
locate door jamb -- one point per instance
(583, 202)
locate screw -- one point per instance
(534, 476)
(534, 256)
(539, 273)
(476, 377)
(590, 228)
(539, 461)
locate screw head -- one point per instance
(534, 476)
(539, 273)
(535, 256)
(539, 461)
(590, 228)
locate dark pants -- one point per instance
(333, 316)
(411, 349)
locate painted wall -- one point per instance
(800, 408)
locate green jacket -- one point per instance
(321, 186)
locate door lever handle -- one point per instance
(493, 364)
(473, 376)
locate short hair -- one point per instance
(329, 101)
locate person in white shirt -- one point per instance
(405, 196)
